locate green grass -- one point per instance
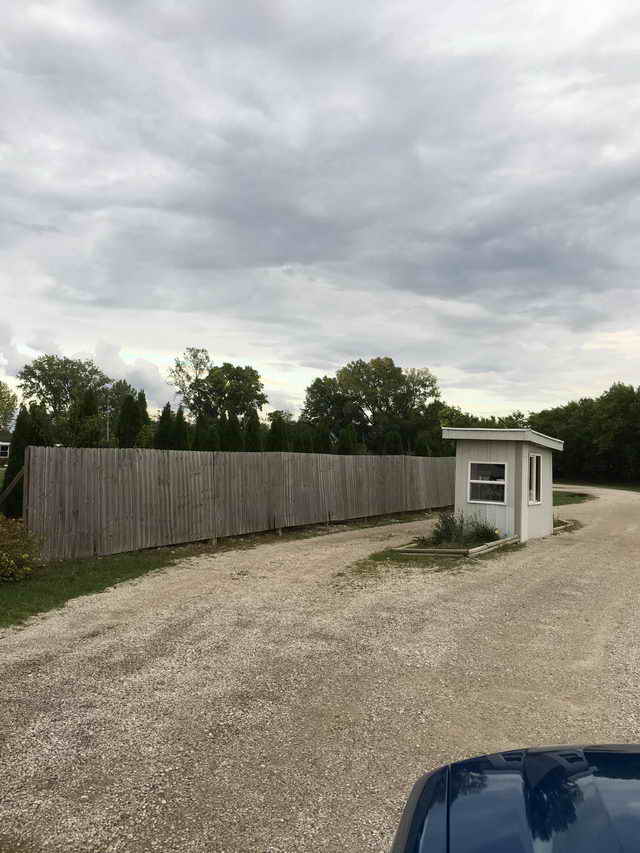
(427, 542)
(573, 523)
(504, 551)
(627, 487)
(52, 585)
(563, 498)
(377, 564)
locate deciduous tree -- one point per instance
(373, 397)
(214, 390)
(8, 406)
(330, 407)
(55, 382)
(187, 374)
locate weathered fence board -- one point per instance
(80, 502)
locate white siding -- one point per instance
(517, 517)
(500, 517)
(541, 515)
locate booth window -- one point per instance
(535, 466)
(487, 483)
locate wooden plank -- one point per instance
(101, 512)
(37, 499)
(86, 501)
(25, 488)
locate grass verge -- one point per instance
(51, 585)
(573, 523)
(451, 546)
(626, 487)
(561, 498)
(376, 565)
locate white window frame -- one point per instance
(537, 469)
(493, 482)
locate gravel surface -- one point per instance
(256, 701)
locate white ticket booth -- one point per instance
(505, 477)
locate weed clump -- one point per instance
(455, 529)
(18, 553)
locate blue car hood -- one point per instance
(551, 800)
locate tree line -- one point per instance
(372, 406)
(601, 435)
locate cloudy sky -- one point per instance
(296, 183)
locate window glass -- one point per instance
(493, 492)
(489, 471)
(4, 450)
(532, 465)
(535, 464)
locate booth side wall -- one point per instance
(499, 516)
(541, 515)
(516, 517)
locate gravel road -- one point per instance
(256, 701)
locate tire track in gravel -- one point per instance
(254, 701)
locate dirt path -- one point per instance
(256, 702)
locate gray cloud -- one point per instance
(142, 374)
(10, 357)
(300, 184)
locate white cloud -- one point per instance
(293, 185)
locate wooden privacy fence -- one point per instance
(80, 502)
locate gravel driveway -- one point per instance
(255, 701)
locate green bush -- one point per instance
(483, 532)
(449, 528)
(18, 554)
(452, 529)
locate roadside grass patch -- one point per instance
(566, 525)
(561, 498)
(49, 586)
(376, 565)
(625, 487)
(501, 552)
